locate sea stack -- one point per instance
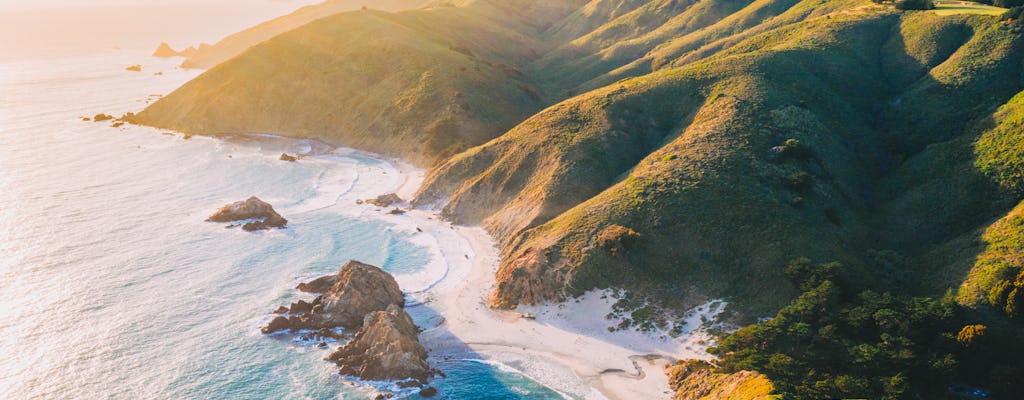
(387, 347)
(250, 209)
(364, 297)
(165, 51)
(346, 298)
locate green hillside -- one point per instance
(690, 150)
(208, 56)
(443, 79)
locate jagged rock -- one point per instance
(134, 68)
(385, 200)
(164, 50)
(385, 348)
(276, 325)
(281, 310)
(359, 290)
(428, 391)
(408, 384)
(253, 208)
(347, 297)
(318, 285)
(397, 211)
(286, 157)
(301, 307)
(102, 117)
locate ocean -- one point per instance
(112, 285)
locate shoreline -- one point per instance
(612, 365)
(576, 357)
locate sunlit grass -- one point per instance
(966, 7)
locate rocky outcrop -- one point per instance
(385, 200)
(364, 297)
(164, 50)
(251, 209)
(286, 157)
(357, 290)
(697, 380)
(387, 347)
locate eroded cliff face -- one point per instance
(696, 380)
(387, 347)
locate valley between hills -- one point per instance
(853, 170)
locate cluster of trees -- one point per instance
(1003, 3)
(1013, 14)
(909, 4)
(1008, 292)
(832, 342)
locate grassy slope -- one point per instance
(690, 178)
(946, 8)
(225, 49)
(662, 181)
(712, 125)
(444, 77)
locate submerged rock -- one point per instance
(428, 391)
(252, 208)
(387, 347)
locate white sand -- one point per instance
(567, 347)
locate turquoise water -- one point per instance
(113, 286)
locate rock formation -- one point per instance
(385, 200)
(286, 157)
(165, 51)
(360, 296)
(356, 290)
(134, 68)
(250, 209)
(386, 348)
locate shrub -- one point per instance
(799, 182)
(914, 5)
(970, 335)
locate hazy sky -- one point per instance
(51, 28)
(37, 4)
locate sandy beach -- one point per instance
(566, 347)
